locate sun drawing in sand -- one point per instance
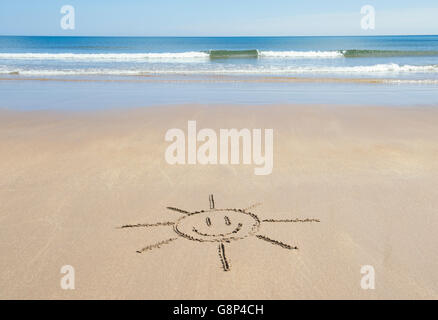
(221, 226)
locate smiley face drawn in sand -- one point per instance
(218, 226)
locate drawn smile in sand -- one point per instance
(239, 227)
(218, 225)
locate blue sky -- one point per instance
(217, 18)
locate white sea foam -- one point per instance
(157, 56)
(379, 69)
(102, 56)
(411, 81)
(196, 55)
(301, 54)
(71, 72)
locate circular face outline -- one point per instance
(195, 235)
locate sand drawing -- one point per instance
(221, 226)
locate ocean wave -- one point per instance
(301, 54)
(225, 54)
(378, 68)
(138, 57)
(102, 56)
(273, 54)
(214, 54)
(390, 68)
(386, 53)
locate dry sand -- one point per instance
(68, 180)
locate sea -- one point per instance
(106, 72)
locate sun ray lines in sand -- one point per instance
(145, 225)
(156, 245)
(276, 242)
(220, 226)
(211, 200)
(223, 257)
(291, 220)
(178, 210)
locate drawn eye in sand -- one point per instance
(220, 226)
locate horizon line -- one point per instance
(216, 36)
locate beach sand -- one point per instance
(69, 179)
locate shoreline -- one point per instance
(220, 78)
